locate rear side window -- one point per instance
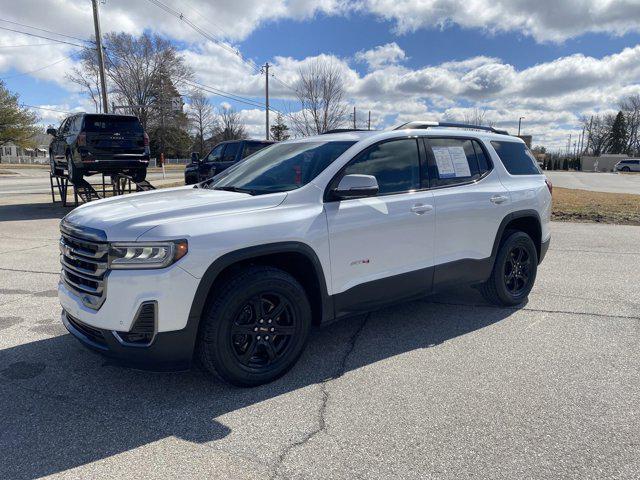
(395, 164)
(252, 147)
(517, 158)
(454, 161)
(112, 124)
(230, 152)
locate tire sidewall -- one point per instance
(226, 364)
(72, 170)
(516, 239)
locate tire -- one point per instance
(625, 169)
(504, 287)
(72, 171)
(55, 171)
(139, 175)
(238, 339)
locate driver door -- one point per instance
(206, 169)
(382, 247)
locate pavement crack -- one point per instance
(540, 310)
(325, 396)
(27, 271)
(27, 249)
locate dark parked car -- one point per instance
(221, 157)
(88, 143)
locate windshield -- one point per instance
(280, 167)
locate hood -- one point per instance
(126, 217)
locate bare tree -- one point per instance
(477, 116)
(134, 66)
(320, 91)
(202, 118)
(228, 125)
(597, 130)
(630, 107)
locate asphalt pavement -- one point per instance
(446, 388)
(33, 181)
(596, 182)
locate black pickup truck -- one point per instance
(89, 143)
(221, 157)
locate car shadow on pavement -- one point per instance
(63, 406)
(32, 211)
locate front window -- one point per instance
(280, 167)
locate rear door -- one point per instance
(114, 135)
(470, 203)
(381, 247)
(252, 147)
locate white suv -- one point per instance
(234, 271)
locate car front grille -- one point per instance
(93, 334)
(84, 267)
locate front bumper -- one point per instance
(170, 351)
(172, 289)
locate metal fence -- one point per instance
(170, 161)
(25, 159)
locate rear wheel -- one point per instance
(514, 271)
(256, 328)
(139, 175)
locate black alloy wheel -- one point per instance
(263, 331)
(514, 270)
(517, 270)
(255, 327)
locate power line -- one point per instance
(43, 30)
(42, 36)
(28, 45)
(36, 70)
(230, 96)
(44, 108)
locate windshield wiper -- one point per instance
(235, 189)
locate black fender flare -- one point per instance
(213, 271)
(503, 225)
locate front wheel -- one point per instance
(514, 271)
(55, 171)
(625, 169)
(256, 328)
(74, 174)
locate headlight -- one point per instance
(146, 255)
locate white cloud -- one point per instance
(383, 55)
(544, 20)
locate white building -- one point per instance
(12, 153)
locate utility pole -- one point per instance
(266, 95)
(519, 124)
(569, 146)
(354, 117)
(103, 83)
(369, 123)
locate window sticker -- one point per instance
(460, 163)
(451, 162)
(444, 162)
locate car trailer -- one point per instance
(84, 191)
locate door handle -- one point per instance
(420, 208)
(498, 199)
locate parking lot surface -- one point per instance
(596, 182)
(447, 387)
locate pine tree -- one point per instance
(279, 130)
(17, 123)
(618, 135)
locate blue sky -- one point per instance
(551, 62)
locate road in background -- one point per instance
(444, 388)
(29, 181)
(596, 182)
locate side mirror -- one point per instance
(51, 131)
(195, 158)
(356, 186)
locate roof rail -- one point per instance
(468, 126)
(344, 130)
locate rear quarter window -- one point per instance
(517, 158)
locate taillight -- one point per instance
(82, 139)
(146, 139)
(549, 185)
